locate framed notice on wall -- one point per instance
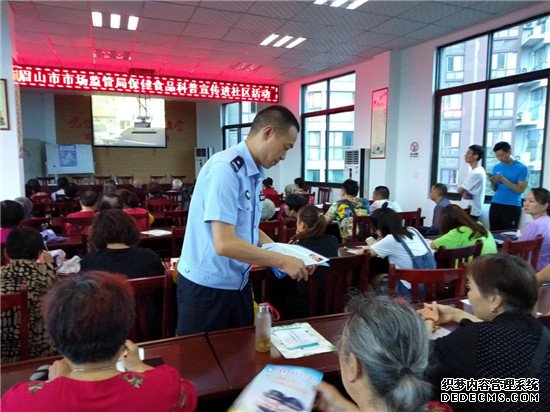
(4, 117)
(379, 117)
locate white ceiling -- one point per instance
(205, 39)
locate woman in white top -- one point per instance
(404, 247)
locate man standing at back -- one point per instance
(508, 180)
(222, 233)
(473, 187)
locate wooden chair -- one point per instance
(41, 204)
(437, 282)
(310, 197)
(178, 234)
(180, 177)
(526, 249)
(159, 205)
(77, 225)
(157, 178)
(173, 194)
(287, 233)
(328, 290)
(178, 217)
(45, 180)
(452, 258)
(273, 229)
(413, 218)
(125, 180)
(35, 222)
(326, 206)
(64, 207)
(145, 290)
(323, 195)
(100, 180)
(362, 228)
(79, 179)
(11, 301)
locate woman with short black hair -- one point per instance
(24, 247)
(500, 339)
(89, 317)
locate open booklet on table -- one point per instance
(309, 257)
(278, 388)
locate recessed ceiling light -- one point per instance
(115, 21)
(269, 39)
(97, 19)
(319, 1)
(279, 43)
(337, 3)
(356, 4)
(132, 22)
(295, 42)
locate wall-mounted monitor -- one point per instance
(128, 121)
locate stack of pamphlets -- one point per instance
(277, 388)
(298, 340)
(309, 257)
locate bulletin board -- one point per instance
(69, 159)
(379, 120)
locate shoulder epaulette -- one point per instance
(237, 163)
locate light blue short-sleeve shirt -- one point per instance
(515, 172)
(228, 190)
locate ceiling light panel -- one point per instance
(282, 41)
(133, 22)
(296, 42)
(115, 21)
(97, 19)
(269, 39)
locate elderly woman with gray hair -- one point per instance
(383, 354)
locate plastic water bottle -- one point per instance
(263, 328)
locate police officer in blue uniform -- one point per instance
(222, 234)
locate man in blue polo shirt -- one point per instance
(222, 234)
(508, 180)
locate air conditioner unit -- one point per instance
(202, 154)
(356, 165)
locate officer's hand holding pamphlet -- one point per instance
(307, 256)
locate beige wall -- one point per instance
(74, 126)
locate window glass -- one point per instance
(342, 91)
(524, 129)
(231, 137)
(249, 110)
(463, 63)
(520, 49)
(237, 118)
(328, 132)
(461, 125)
(231, 114)
(314, 147)
(315, 98)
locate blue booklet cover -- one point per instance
(279, 387)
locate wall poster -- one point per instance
(379, 119)
(4, 117)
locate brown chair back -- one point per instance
(178, 234)
(11, 301)
(45, 180)
(157, 178)
(452, 258)
(310, 197)
(413, 218)
(287, 233)
(326, 206)
(180, 177)
(273, 229)
(525, 249)
(125, 180)
(35, 222)
(178, 217)
(437, 282)
(159, 205)
(144, 288)
(323, 195)
(173, 194)
(100, 180)
(362, 228)
(328, 290)
(64, 207)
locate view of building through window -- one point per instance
(491, 108)
(237, 118)
(328, 125)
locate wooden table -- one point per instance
(236, 352)
(191, 355)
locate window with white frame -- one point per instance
(488, 106)
(236, 121)
(328, 121)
